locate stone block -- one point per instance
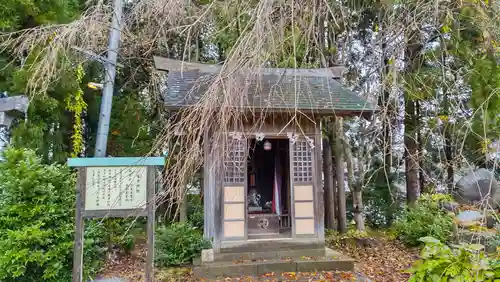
(469, 218)
(477, 186)
(223, 270)
(492, 221)
(301, 253)
(207, 255)
(265, 255)
(277, 267)
(233, 256)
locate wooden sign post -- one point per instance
(114, 187)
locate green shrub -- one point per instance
(37, 221)
(464, 264)
(426, 219)
(121, 233)
(195, 211)
(94, 248)
(494, 243)
(178, 244)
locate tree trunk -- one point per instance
(386, 104)
(328, 167)
(420, 141)
(354, 187)
(339, 166)
(412, 58)
(388, 113)
(328, 184)
(450, 173)
(183, 207)
(411, 154)
(358, 207)
(447, 137)
(334, 188)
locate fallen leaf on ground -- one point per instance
(384, 261)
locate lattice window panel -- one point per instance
(234, 162)
(302, 162)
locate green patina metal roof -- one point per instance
(273, 90)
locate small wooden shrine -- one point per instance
(266, 185)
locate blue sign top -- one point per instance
(126, 161)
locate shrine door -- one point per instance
(234, 191)
(302, 174)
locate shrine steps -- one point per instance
(269, 254)
(261, 263)
(270, 245)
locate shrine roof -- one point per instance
(308, 90)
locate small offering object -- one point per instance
(267, 146)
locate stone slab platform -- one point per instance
(108, 280)
(269, 255)
(270, 245)
(260, 266)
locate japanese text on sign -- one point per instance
(116, 188)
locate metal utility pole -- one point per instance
(109, 80)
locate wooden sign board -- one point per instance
(114, 187)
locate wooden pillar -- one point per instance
(339, 160)
(329, 184)
(79, 226)
(320, 200)
(216, 174)
(209, 190)
(151, 207)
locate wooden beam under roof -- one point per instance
(166, 64)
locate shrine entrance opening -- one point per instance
(268, 182)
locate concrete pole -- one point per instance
(109, 81)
